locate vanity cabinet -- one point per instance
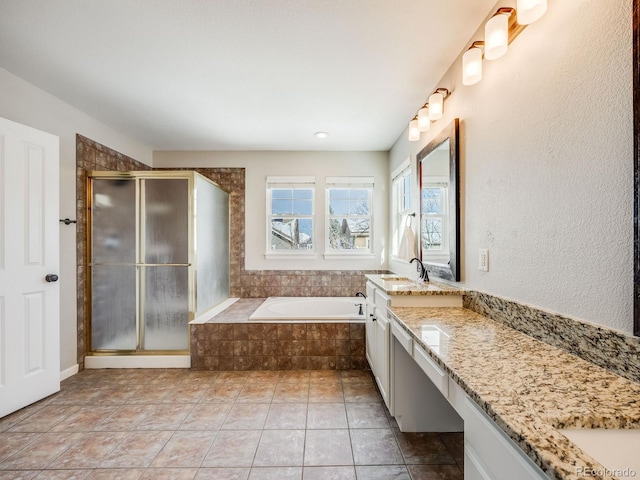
(377, 338)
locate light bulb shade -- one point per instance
(496, 36)
(424, 124)
(528, 11)
(435, 106)
(472, 66)
(414, 131)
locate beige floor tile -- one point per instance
(360, 392)
(256, 393)
(276, 473)
(63, 475)
(222, 474)
(44, 419)
(11, 443)
(291, 392)
(206, 416)
(329, 473)
(221, 393)
(326, 416)
(166, 417)
(84, 420)
(185, 449)
(233, 448)
(375, 447)
(246, 416)
(18, 474)
(327, 447)
(384, 472)
(41, 451)
(138, 449)
(328, 392)
(169, 474)
(289, 416)
(89, 451)
(117, 474)
(125, 418)
(367, 415)
(280, 448)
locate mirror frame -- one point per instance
(450, 132)
(636, 161)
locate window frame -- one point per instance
(290, 183)
(443, 186)
(349, 183)
(399, 194)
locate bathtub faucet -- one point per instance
(359, 305)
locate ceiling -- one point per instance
(241, 74)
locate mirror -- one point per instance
(438, 166)
(636, 154)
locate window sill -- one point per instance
(291, 256)
(349, 256)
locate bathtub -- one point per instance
(310, 310)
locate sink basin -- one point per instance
(395, 278)
(615, 449)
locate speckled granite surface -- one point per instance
(615, 351)
(394, 284)
(529, 388)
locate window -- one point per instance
(290, 214)
(434, 228)
(349, 214)
(401, 202)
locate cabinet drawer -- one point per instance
(402, 336)
(381, 301)
(438, 376)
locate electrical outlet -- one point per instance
(484, 260)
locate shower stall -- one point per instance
(158, 258)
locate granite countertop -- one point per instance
(395, 284)
(529, 388)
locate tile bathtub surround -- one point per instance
(609, 349)
(185, 425)
(230, 342)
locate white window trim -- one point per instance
(275, 182)
(438, 255)
(349, 182)
(400, 217)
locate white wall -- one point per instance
(547, 164)
(260, 164)
(24, 103)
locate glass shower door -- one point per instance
(113, 265)
(165, 264)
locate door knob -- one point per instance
(51, 278)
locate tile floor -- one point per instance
(181, 424)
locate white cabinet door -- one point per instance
(29, 304)
(382, 356)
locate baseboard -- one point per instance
(69, 372)
(137, 361)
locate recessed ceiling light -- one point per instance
(321, 134)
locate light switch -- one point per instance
(484, 260)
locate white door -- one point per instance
(29, 295)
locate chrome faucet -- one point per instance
(424, 276)
(359, 305)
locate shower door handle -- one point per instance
(51, 277)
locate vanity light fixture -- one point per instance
(321, 134)
(414, 130)
(496, 36)
(499, 31)
(430, 111)
(472, 64)
(530, 10)
(424, 122)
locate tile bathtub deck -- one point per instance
(181, 424)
